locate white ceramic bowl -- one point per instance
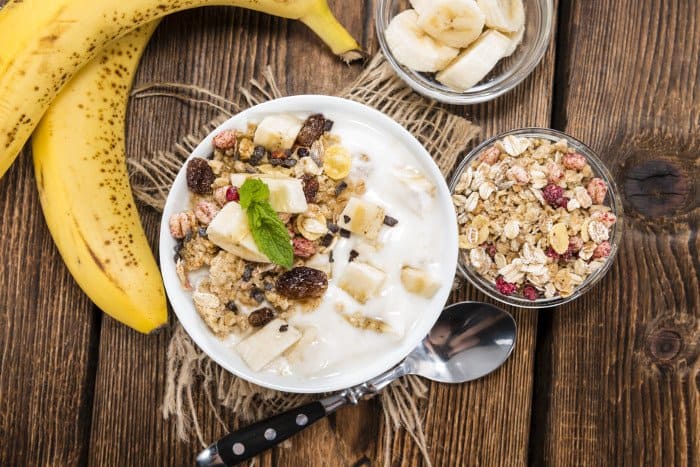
(351, 119)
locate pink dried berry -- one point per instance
(506, 288)
(551, 253)
(602, 250)
(563, 201)
(530, 292)
(490, 155)
(232, 194)
(490, 248)
(597, 189)
(574, 161)
(303, 248)
(575, 244)
(554, 172)
(552, 194)
(225, 140)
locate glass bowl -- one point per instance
(507, 74)
(613, 200)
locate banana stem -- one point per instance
(321, 21)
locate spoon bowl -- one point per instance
(469, 340)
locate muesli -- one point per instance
(532, 217)
(296, 259)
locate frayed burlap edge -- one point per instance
(191, 376)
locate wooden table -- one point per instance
(611, 379)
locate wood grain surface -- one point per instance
(612, 379)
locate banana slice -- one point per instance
(277, 132)
(515, 39)
(419, 282)
(286, 193)
(229, 231)
(267, 344)
(361, 281)
(456, 23)
(504, 15)
(475, 62)
(415, 49)
(363, 218)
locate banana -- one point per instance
(362, 217)
(419, 282)
(361, 281)
(476, 61)
(286, 193)
(413, 47)
(515, 39)
(79, 162)
(45, 43)
(504, 15)
(229, 230)
(456, 23)
(265, 345)
(277, 132)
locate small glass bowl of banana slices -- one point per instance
(464, 51)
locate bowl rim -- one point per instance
(188, 316)
(506, 84)
(599, 169)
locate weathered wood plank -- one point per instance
(624, 387)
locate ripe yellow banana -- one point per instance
(80, 167)
(43, 43)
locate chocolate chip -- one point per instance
(326, 240)
(344, 233)
(284, 328)
(353, 255)
(303, 152)
(232, 306)
(390, 221)
(340, 187)
(261, 317)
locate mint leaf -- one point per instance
(251, 191)
(270, 233)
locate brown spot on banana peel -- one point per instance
(96, 259)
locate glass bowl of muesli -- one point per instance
(298, 246)
(539, 215)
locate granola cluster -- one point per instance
(532, 217)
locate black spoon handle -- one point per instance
(250, 441)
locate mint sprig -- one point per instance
(269, 232)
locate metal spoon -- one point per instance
(468, 341)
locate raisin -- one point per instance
(289, 163)
(199, 176)
(340, 188)
(311, 130)
(390, 221)
(232, 306)
(303, 248)
(302, 282)
(258, 155)
(353, 255)
(268, 286)
(261, 317)
(257, 294)
(311, 187)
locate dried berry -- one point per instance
(597, 189)
(602, 250)
(268, 286)
(353, 255)
(552, 254)
(257, 294)
(303, 248)
(332, 227)
(390, 221)
(552, 194)
(261, 317)
(248, 272)
(490, 156)
(340, 187)
(202, 232)
(311, 187)
(289, 163)
(303, 152)
(225, 140)
(530, 292)
(199, 176)
(506, 288)
(231, 306)
(278, 155)
(232, 194)
(311, 130)
(574, 161)
(258, 155)
(575, 244)
(302, 282)
(563, 201)
(490, 249)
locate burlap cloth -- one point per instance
(192, 377)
